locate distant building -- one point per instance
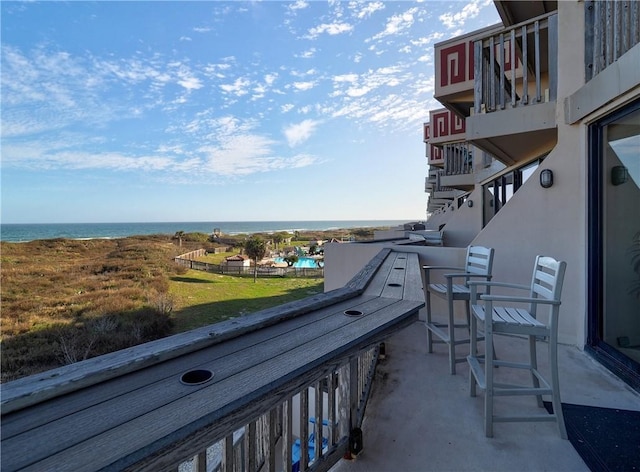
(238, 260)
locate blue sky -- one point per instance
(219, 111)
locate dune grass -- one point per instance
(67, 300)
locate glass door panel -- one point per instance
(621, 235)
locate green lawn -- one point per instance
(203, 298)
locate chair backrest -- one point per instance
(479, 261)
(547, 280)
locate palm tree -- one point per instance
(277, 239)
(255, 248)
(179, 235)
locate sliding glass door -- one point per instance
(614, 242)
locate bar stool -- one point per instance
(545, 289)
(478, 264)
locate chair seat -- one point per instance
(459, 290)
(509, 315)
(511, 320)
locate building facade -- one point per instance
(537, 151)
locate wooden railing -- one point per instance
(458, 158)
(611, 29)
(274, 438)
(517, 66)
(234, 395)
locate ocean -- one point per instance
(31, 232)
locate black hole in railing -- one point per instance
(196, 377)
(394, 285)
(399, 268)
(353, 313)
(401, 257)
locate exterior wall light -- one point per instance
(469, 203)
(546, 178)
(619, 175)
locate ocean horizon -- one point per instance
(17, 232)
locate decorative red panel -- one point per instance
(426, 128)
(457, 124)
(440, 121)
(453, 65)
(435, 153)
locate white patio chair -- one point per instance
(545, 289)
(478, 264)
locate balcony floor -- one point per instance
(421, 418)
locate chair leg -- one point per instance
(452, 339)
(429, 333)
(533, 365)
(473, 352)
(488, 394)
(467, 305)
(557, 404)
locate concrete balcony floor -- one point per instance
(421, 418)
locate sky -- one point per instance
(151, 111)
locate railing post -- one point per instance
(525, 67)
(552, 54)
(287, 434)
(354, 394)
(227, 453)
(514, 63)
(304, 429)
(491, 106)
(502, 72)
(537, 60)
(477, 70)
(250, 447)
(318, 420)
(270, 459)
(331, 417)
(201, 461)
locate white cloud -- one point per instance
(308, 54)
(239, 87)
(330, 28)
(398, 23)
(426, 40)
(364, 10)
(190, 83)
(458, 19)
(303, 85)
(298, 5)
(299, 133)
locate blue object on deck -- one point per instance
(311, 447)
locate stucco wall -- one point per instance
(465, 222)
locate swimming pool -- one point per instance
(303, 262)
